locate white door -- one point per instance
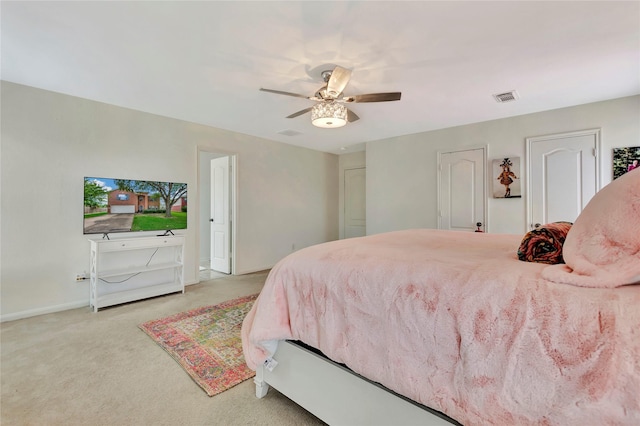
(219, 211)
(461, 191)
(562, 175)
(355, 203)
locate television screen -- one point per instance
(125, 205)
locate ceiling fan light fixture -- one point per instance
(328, 115)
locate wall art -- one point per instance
(506, 178)
(625, 160)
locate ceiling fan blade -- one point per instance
(351, 116)
(280, 92)
(374, 97)
(338, 81)
(302, 111)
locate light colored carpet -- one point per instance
(83, 368)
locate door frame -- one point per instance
(564, 135)
(233, 202)
(485, 182)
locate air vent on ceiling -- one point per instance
(506, 96)
(289, 132)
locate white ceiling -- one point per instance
(205, 61)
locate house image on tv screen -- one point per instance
(120, 201)
(130, 202)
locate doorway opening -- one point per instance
(355, 207)
(217, 214)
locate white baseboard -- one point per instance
(51, 309)
(42, 311)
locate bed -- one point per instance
(454, 327)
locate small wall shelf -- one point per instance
(128, 269)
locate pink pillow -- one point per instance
(602, 249)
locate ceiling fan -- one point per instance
(330, 111)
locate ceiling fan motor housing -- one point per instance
(326, 75)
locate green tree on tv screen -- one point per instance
(95, 195)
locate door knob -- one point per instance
(211, 220)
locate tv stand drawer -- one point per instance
(139, 243)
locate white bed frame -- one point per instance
(336, 395)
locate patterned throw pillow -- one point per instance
(544, 244)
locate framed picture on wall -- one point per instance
(625, 160)
(505, 174)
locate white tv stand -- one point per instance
(127, 269)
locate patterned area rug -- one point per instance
(206, 343)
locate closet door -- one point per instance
(355, 219)
(563, 174)
(461, 190)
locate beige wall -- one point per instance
(286, 195)
(402, 176)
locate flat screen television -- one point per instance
(126, 205)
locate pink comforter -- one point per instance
(456, 322)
